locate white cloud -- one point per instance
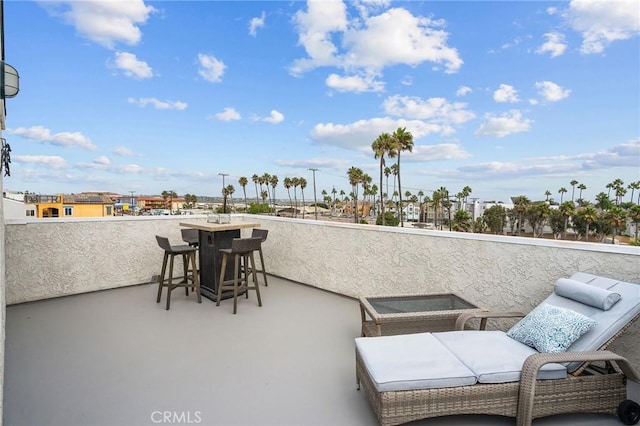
(314, 33)
(66, 139)
(504, 124)
(354, 83)
(435, 109)
(50, 161)
(104, 22)
(274, 117)
(132, 67)
(157, 104)
(324, 163)
(463, 91)
(506, 93)
(121, 151)
(623, 155)
(370, 43)
(445, 151)
(555, 45)
(551, 92)
(398, 37)
(228, 114)
(129, 168)
(102, 160)
(360, 134)
(601, 22)
(211, 69)
(256, 23)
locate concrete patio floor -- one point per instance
(117, 358)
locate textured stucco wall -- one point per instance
(60, 257)
(57, 257)
(495, 272)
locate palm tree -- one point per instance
(567, 209)
(303, 184)
(462, 221)
(381, 146)
(403, 141)
(394, 172)
(295, 182)
(387, 173)
(437, 200)
(581, 187)
(616, 217)
(165, 196)
(255, 178)
(537, 215)
(633, 186)
(466, 191)
(243, 183)
(609, 186)
(562, 191)
(589, 215)
(521, 205)
(230, 190)
(288, 184)
(355, 178)
(573, 184)
(603, 202)
(618, 186)
(547, 193)
(274, 182)
(634, 215)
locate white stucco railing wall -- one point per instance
(57, 257)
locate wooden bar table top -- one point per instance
(215, 227)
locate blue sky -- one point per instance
(508, 97)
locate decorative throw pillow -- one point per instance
(550, 328)
(588, 294)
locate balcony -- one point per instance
(117, 357)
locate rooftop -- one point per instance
(115, 357)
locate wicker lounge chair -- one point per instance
(418, 376)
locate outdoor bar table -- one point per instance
(211, 238)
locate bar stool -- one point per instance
(188, 254)
(262, 233)
(242, 251)
(190, 236)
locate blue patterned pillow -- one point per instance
(550, 328)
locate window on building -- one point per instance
(109, 213)
(31, 213)
(68, 210)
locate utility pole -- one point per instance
(315, 202)
(224, 195)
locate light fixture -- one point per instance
(9, 81)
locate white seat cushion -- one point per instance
(493, 356)
(411, 361)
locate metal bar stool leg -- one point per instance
(256, 286)
(162, 276)
(263, 269)
(170, 284)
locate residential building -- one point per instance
(73, 205)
